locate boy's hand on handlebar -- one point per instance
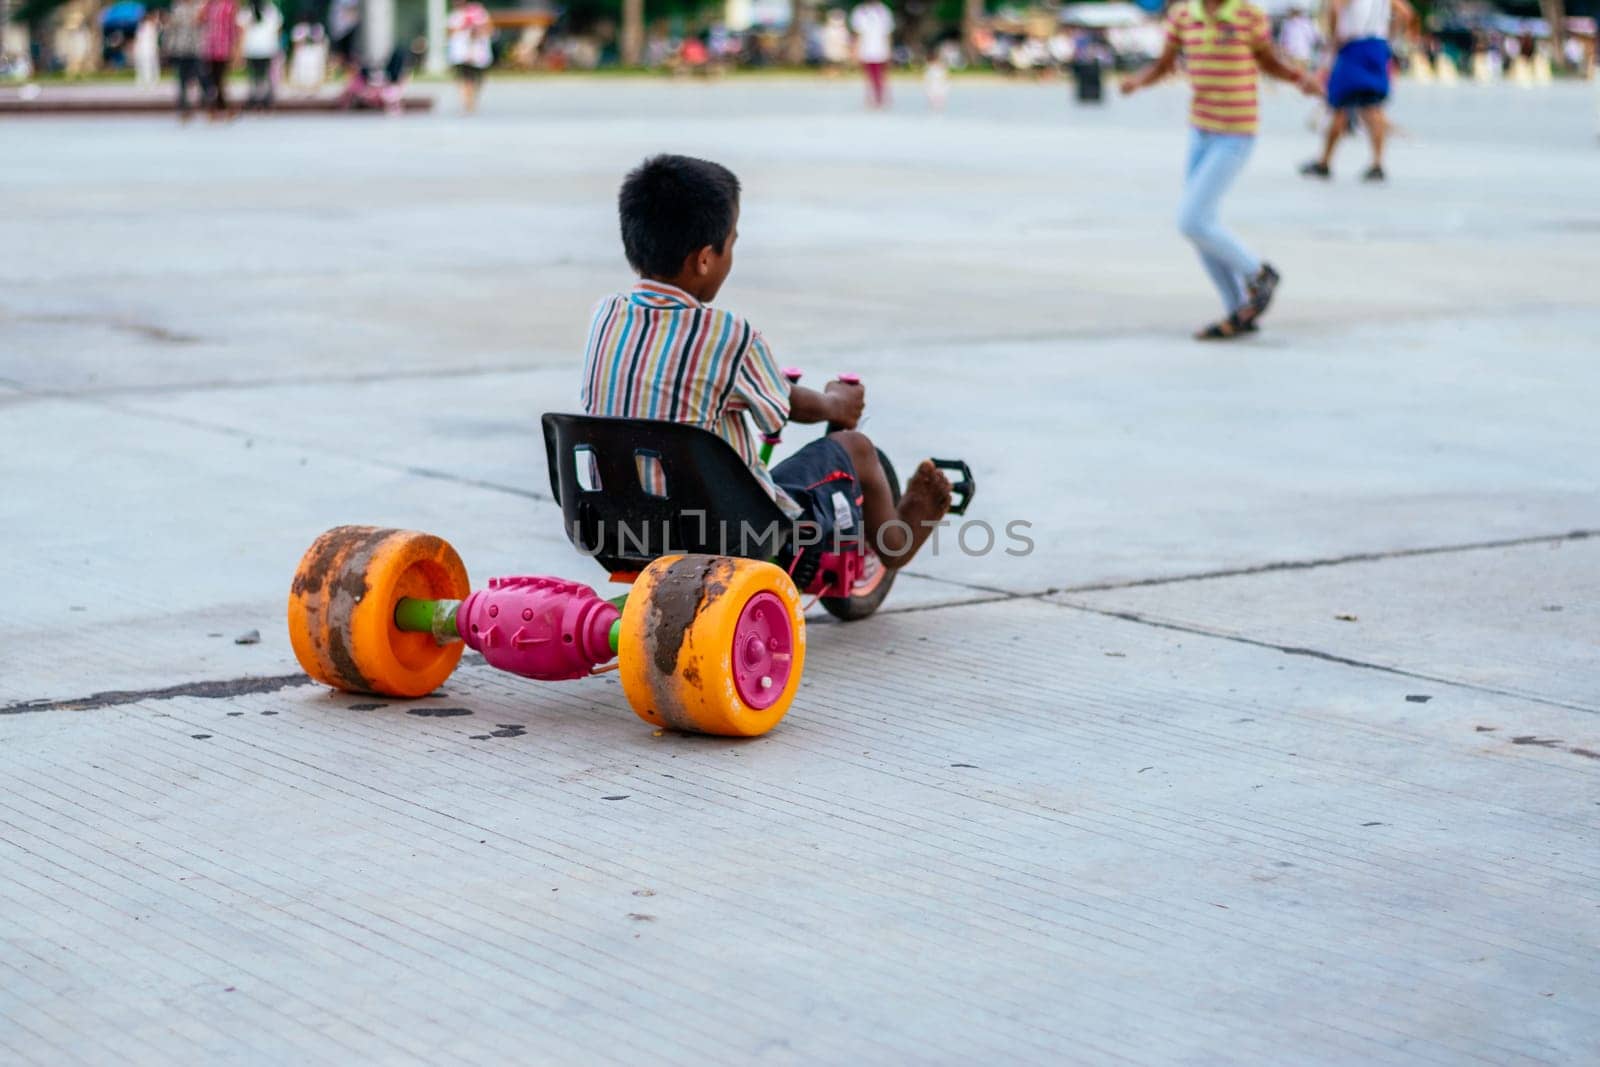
(846, 401)
(839, 404)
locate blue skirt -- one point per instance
(1360, 76)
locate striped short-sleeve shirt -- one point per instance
(1219, 52)
(658, 353)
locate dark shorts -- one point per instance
(1362, 98)
(1360, 75)
(822, 480)
(468, 73)
(345, 47)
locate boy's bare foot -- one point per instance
(926, 501)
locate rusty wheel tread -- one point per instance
(341, 610)
(675, 657)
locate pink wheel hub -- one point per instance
(763, 650)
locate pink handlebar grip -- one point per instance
(792, 373)
(850, 379)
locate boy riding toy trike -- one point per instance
(710, 638)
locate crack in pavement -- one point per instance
(161, 389)
(1243, 572)
(1267, 568)
(1334, 561)
(1313, 653)
(213, 690)
(558, 360)
(241, 686)
(147, 330)
(320, 450)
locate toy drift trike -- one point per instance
(709, 639)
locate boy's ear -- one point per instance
(702, 261)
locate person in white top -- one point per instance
(468, 48)
(146, 51)
(835, 41)
(261, 32)
(873, 24)
(308, 65)
(936, 80)
(1359, 78)
(1298, 38)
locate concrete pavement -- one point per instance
(1280, 744)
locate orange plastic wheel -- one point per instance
(712, 645)
(341, 610)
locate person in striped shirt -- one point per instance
(660, 351)
(1222, 43)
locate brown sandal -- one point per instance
(1227, 329)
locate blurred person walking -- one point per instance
(835, 42)
(147, 51)
(261, 25)
(1359, 78)
(344, 33)
(1223, 43)
(468, 49)
(1298, 39)
(873, 24)
(308, 63)
(936, 80)
(185, 32)
(219, 46)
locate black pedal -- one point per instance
(961, 490)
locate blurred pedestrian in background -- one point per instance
(261, 24)
(1359, 80)
(469, 49)
(219, 46)
(184, 35)
(1223, 43)
(873, 24)
(147, 51)
(835, 41)
(1298, 39)
(344, 33)
(75, 42)
(308, 64)
(936, 80)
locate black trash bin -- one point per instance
(1091, 57)
(1090, 81)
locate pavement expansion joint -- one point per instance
(1335, 561)
(1296, 650)
(220, 385)
(213, 690)
(222, 689)
(253, 435)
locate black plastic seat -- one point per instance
(713, 502)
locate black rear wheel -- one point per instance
(873, 585)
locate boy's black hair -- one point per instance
(672, 206)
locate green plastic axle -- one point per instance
(436, 617)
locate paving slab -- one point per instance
(1146, 826)
(1516, 619)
